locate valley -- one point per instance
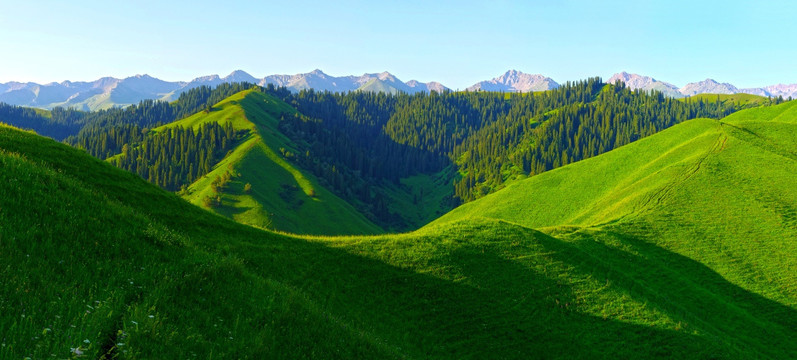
(672, 243)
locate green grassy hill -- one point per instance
(97, 261)
(745, 100)
(675, 246)
(282, 196)
(698, 221)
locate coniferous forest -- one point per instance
(176, 157)
(488, 137)
(356, 142)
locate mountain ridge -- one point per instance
(707, 86)
(107, 92)
(516, 81)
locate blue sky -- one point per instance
(748, 43)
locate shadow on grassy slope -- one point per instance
(686, 290)
(494, 308)
(474, 289)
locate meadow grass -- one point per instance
(745, 100)
(680, 245)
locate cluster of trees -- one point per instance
(106, 142)
(106, 131)
(99, 131)
(354, 140)
(541, 141)
(57, 123)
(177, 156)
(218, 185)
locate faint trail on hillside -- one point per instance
(759, 141)
(786, 209)
(658, 197)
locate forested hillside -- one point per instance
(400, 159)
(57, 123)
(102, 133)
(490, 138)
(178, 156)
(231, 159)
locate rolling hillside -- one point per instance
(698, 221)
(282, 196)
(744, 100)
(98, 263)
(674, 246)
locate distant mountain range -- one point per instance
(708, 86)
(110, 92)
(516, 81)
(318, 80)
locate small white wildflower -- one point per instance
(152, 316)
(135, 323)
(87, 341)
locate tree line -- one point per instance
(176, 157)
(356, 142)
(57, 123)
(359, 138)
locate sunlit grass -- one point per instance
(677, 246)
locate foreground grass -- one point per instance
(667, 248)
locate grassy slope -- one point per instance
(565, 196)
(742, 99)
(43, 112)
(783, 113)
(698, 221)
(681, 275)
(97, 259)
(281, 193)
